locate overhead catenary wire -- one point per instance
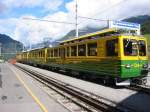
(63, 22)
(92, 18)
(52, 21)
(76, 23)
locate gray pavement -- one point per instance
(15, 98)
(129, 98)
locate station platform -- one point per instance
(19, 93)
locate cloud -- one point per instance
(2, 7)
(53, 5)
(7, 26)
(34, 31)
(45, 4)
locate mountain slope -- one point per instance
(138, 19)
(9, 47)
(83, 31)
(144, 20)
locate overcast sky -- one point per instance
(12, 12)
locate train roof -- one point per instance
(105, 31)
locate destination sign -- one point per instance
(126, 25)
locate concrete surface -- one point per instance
(129, 98)
(15, 98)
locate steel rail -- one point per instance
(89, 101)
(56, 90)
(140, 88)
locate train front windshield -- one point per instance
(133, 47)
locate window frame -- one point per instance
(145, 54)
(75, 50)
(87, 44)
(137, 51)
(79, 47)
(114, 54)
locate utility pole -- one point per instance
(108, 23)
(77, 32)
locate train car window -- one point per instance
(68, 51)
(112, 47)
(142, 48)
(39, 54)
(51, 52)
(48, 53)
(130, 47)
(62, 52)
(92, 49)
(43, 53)
(59, 52)
(82, 50)
(55, 52)
(73, 50)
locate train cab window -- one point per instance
(55, 52)
(112, 47)
(73, 50)
(68, 51)
(92, 49)
(130, 47)
(142, 48)
(82, 50)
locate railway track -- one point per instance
(140, 88)
(86, 100)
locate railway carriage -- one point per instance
(111, 54)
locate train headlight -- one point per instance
(128, 66)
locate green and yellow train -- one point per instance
(110, 54)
